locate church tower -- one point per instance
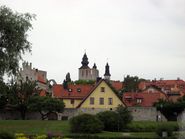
(95, 72)
(107, 72)
(84, 70)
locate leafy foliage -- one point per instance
(131, 83)
(6, 135)
(84, 82)
(86, 123)
(110, 120)
(19, 95)
(125, 116)
(45, 105)
(170, 109)
(13, 39)
(115, 120)
(3, 94)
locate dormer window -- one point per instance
(69, 90)
(78, 90)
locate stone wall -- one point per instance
(15, 115)
(138, 113)
(146, 114)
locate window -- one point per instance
(139, 100)
(91, 100)
(69, 90)
(101, 101)
(72, 101)
(110, 101)
(78, 90)
(102, 89)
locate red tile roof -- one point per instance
(165, 84)
(117, 85)
(73, 91)
(147, 98)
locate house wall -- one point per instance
(68, 104)
(97, 94)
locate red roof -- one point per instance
(73, 91)
(144, 98)
(117, 85)
(166, 84)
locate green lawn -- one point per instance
(62, 127)
(34, 126)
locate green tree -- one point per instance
(170, 109)
(131, 83)
(125, 116)
(19, 95)
(3, 94)
(86, 123)
(46, 105)
(13, 39)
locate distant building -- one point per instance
(145, 98)
(174, 89)
(32, 74)
(87, 73)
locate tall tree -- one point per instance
(13, 39)
(20, 94)
(131, 83)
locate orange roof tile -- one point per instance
(147, 98)
(73, 91)
(117, 85)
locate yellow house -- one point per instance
(101, 97)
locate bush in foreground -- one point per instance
(86, 123)
(110, 120)
(6, 135)
(115, 120)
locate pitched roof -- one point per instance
(92, 90)
(148, 98)
(73, 91)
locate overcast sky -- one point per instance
(137, 37)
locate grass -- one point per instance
(38, 127)
(34, 126)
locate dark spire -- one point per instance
(94, 66)
(85, 61)
(107, 72)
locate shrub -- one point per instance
(110, 119)
(6, 135)
(162, 129)
(86, 123)
(125, 116)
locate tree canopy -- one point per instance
(13, 39)
(131, 83)
(171, 109)
(46, 105)
(19, 95)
